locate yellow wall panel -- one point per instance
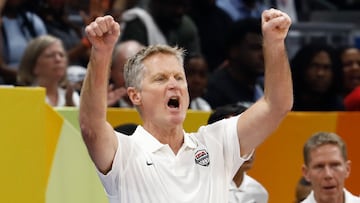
(53, 124)
(22, 141)
(349, 129)
(73, 178)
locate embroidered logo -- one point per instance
(202, 157)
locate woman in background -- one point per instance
(44, 64)
(316, 79)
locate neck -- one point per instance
(238, 178)
(335, 199)
(51, 90)
(50, 85)
(174, 137)
(52, 95)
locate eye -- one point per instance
(336, 165)
(159, 78)
(179, 77)
(318, 166)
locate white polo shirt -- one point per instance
(249, 191)
(144, 170)
(349, 198)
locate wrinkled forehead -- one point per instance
(326, 150)
(162, 62)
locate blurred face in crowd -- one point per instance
(249, 55)
(123, 51)
(196, 71)
(327, 171)
(169, 13)
(117, 72)
(52, 63)
(350, 60)
(319, 73)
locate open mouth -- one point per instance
(327, 188)
(173, 102)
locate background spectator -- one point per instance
(196, 70)
(316, 79)
(165, 22)
(122, 52)
(237, 81)
(56, 19)
(208, 17)
(44, 64)
(326, 167)
(350, 65)
(243, 188)
(19, 26)
(302, 190)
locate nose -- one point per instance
(355, 65)
(320, 71)
(172, 83)
(176, 82)
(328, 172)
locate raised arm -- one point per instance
(97, 133)
(262, 118)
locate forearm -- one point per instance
(93, 99)
(97, 133)
(273, 107)
(278, 84)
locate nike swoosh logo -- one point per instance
(149, 163)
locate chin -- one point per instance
(177, 120)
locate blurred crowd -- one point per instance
(43, 44)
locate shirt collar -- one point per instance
(189, 141)
(151, 144)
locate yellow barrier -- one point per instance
(45, 160)
(23, 145)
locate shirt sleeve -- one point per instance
(221, 138)
(111, 180)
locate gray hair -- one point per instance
(134, 67)
(31, 54)
(322, 138)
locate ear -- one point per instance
(348, 168)
(134, 96)
(305, 172)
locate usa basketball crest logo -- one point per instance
(202, 157)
